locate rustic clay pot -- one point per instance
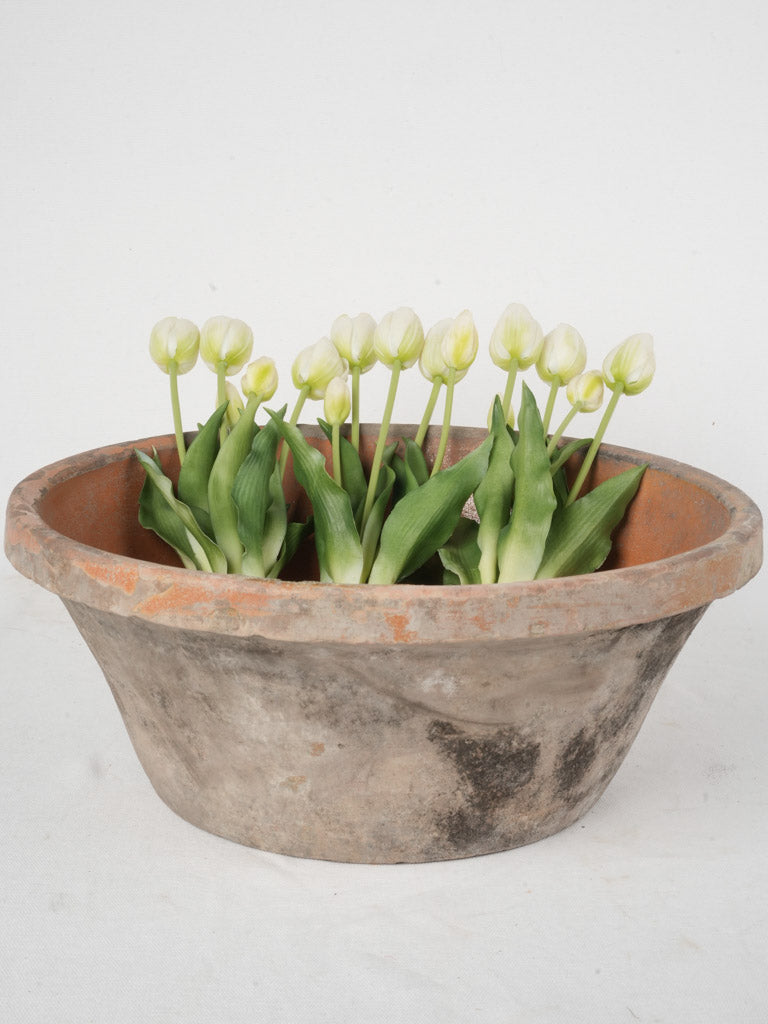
(380, 724)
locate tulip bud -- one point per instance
(235, 406)
(174, 340)
(460, 344)
(353, 338)
(227, 341)
(585, 390)
(431, 362)
(631, 364)
(399, 336)
(563, 354)
(260, 379)
(337, 402)
(517, 337)
(316, 366)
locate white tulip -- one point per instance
(235, 405)
(226, 341)
(431, 362)
(174, 340)
(260, 379)
(563, 354)
(631, 364)
(353, 338)
(316, 366)
(516, 338)
(337, 402)
(460, 344)
(399, 337)
(585, 390)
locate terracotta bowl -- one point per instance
(380, 724)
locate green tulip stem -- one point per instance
(449, 387)
(554, 387)
(221, 382)
(173, 373)
(355, 436)
(381, 441)
(563, 427)
(589, 458)
(506, 401)
(303, 396)
(336, 446)
(431, 402)
(221, 394)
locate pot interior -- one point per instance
(674, 510)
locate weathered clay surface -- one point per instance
(380, 724)
(383, 754)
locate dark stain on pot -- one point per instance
(657, 659)
(351, 706)
(492, 767)
(618, 721)
(576, 760)
(464, 826)
(618, 718)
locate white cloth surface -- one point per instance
(604, 164)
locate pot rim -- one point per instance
(363, 613)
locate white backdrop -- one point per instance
(604, 164)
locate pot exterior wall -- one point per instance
(381, 754)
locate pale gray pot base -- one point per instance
(381, 754)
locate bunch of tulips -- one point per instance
(403, 518)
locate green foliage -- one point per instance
(221, 504)
(493, 497)
(257, 493)
(522, 541)
(561, 455)
(339, 550)
(196, 469)
(580, 538)
(352, 473)
(461, 555)
(424, 519)
(160, 510)
(230, 514)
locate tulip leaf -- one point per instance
(493, 498)
(415, 461)
(522, 542)
(352, 473)
(561, 455)
(172, 520)
(339, 551)
(276, 521)
(557, 468)
(388, 454)
(423, 521)
(197, 466)
(461, 555)
(295, 533)
(411, 471)
(405, 481)
(221, 505)
(580, 538)
(258, 497)
(372, 531)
